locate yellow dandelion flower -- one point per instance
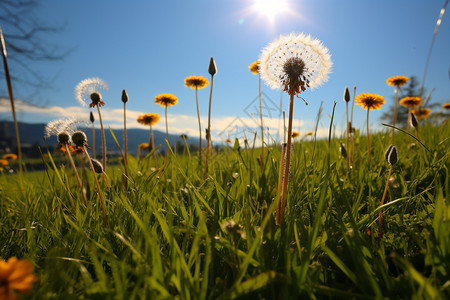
(166, 100)
(309, 133)
(410, 101)
(254, 67)
(397, 80)
(196, 82)
(421, 113)
(10, 156)
(15, 276)
(295, 134)
(446, 105)
(370, 101)
(148, 119)
(144, 146)
(4, 163)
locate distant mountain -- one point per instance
(32, 134)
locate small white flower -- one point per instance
(306, 56)
(235, 175)
(88, 86)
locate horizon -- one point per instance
(147, 59)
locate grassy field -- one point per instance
(175, 235)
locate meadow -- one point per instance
(175, 234)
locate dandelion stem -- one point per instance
(125, 155)
(409, 120)
(348, 132)
(262, 128)
(93, 140)
(167, 139)
(13, 110)
(280, 184)
(208, 136)
(395, 113)
(287, 159)
(368, 139)
(69, 156)
(99, 191)
(152, 142)
(199, 130)
(103, 138)
(380, 234)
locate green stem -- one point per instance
(380, 234)
(76, 175)
(199, 130)
(103, 139)
(208, 136)
(13, 110)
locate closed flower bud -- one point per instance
(91, 117)
(343, 150)
(414, 122)
(347, 95)
(393, 156)
(98, 168)
(79, 138)
(212, 69)
(63, 138)
(124, 96)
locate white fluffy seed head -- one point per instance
(88, 86)
(310, 50)
(68, 125)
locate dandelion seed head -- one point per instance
(87, 87)
(69, 125)
(79, 138)
(63, 138)
(295, 59)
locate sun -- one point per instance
(270, 8)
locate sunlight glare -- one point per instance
(270, 8)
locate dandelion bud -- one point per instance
(347, 95)
(212, 69)
(393, 156)
(98, 168)
(414, 122)
(124, 96)
(79, 138)
(343, 150)
(91, 117)
(63, 138)
(386, 154)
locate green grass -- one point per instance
(166, 239)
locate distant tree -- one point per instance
(27, 39)
(412, 88)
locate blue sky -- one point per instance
(149, 47)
